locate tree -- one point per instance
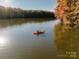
(68, 10)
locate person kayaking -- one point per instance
(38, 32)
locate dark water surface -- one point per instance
(18, 42)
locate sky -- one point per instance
(30, 4)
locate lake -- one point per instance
(17, 40)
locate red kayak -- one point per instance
(38, 33)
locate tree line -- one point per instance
(8, 12)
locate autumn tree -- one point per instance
(68, 11)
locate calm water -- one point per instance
(67, 42)
(18, 42)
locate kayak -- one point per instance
(38, 33)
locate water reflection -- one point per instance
(22, 44)
(3, 41)
(11, 22)
(67, 43)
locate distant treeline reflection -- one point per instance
(8, 12)
(19, 21)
